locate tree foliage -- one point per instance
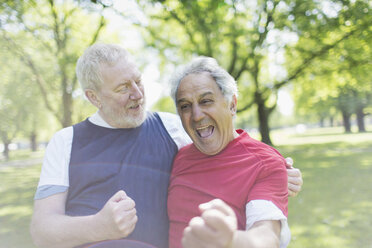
(341, 78)
(243, 35)
(165, 104)
(20, 109)
(56, 32)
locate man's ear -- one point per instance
(233, 105)
(93, 98)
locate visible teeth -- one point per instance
(200, 128)
(205, 131)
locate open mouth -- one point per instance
(205, 131)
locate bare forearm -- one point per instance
(254, 239)
(54, 231)
(50, 227)
(263, 234)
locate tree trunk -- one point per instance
(360, 119)
(6, 150)
(67, 103)
(263, 118)
(346, 121)
(67, 110)
(6, 141)
(321, 122)
(331, 121)
(33, 142)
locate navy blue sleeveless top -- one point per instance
(136, 160)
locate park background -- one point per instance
(304, 71)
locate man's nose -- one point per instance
(136, 91)
(197, 113)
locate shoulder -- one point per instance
(56, 159)
(64, 132)
(62, 136)
(268, 157)
(170, 119)
(60, 144)
(259, 148)
(173, 125)
(167, 119)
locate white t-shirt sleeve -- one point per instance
(54, 176)
(173, 125)
(258, 210)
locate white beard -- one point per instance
(122, 119)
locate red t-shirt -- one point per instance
(245, 170)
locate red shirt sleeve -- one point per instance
(271, 183)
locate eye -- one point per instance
(122, 88)
(184, 107)
(206, 101)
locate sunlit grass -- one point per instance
(318, 136)
(23, 154)
(17, 189)
(334, 207)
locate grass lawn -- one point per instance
(334, 208)
(17, 188)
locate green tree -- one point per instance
(165, 104)
(324, 94)
(357, 65)
(56, 32)
(243, 35)
(340, 78)
(20, 109)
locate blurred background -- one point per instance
(304, 71)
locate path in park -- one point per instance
(21, 163)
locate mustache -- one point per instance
(136, 103)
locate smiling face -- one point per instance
(206, 115)
(120, 99)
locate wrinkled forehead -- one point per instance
(120, 71)
(197, 85)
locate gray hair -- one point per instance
(89, 64)
(224, 80)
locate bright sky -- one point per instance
(285, 103)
